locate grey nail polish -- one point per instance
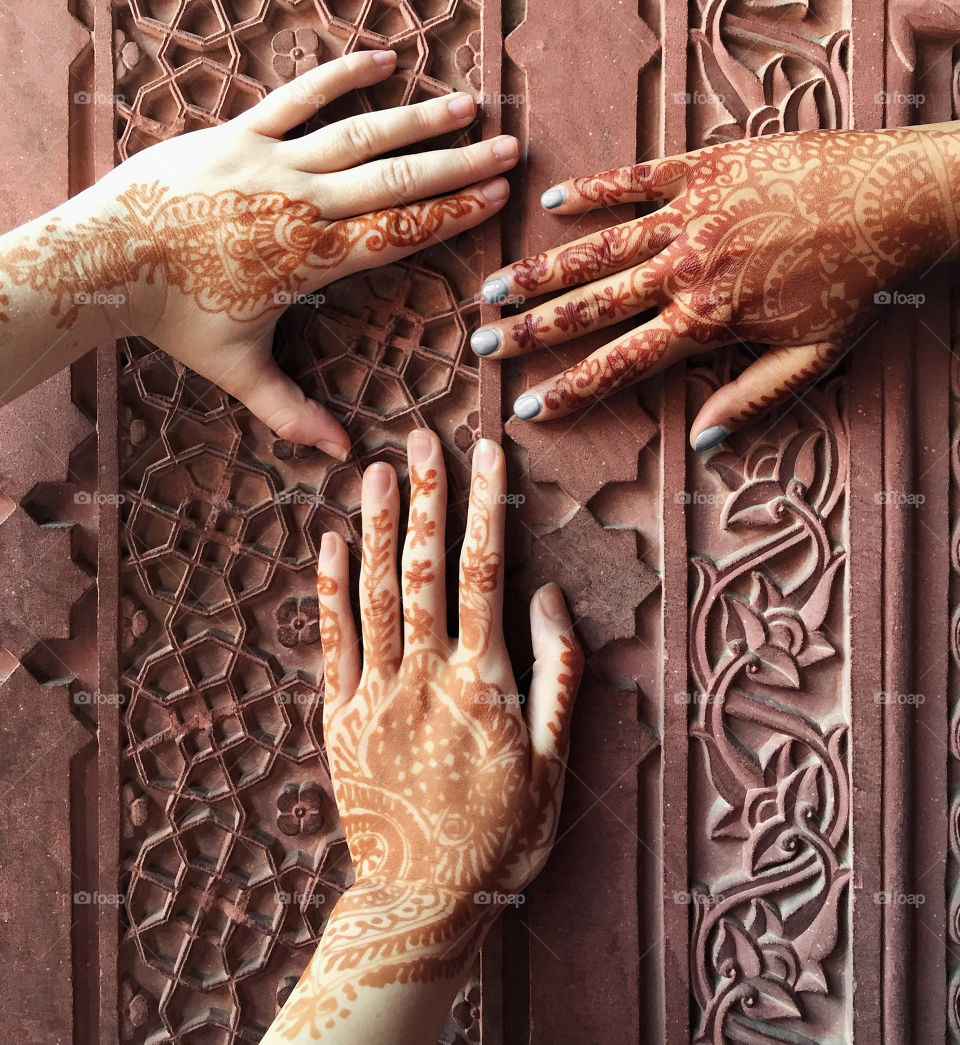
(485, 341)
(494, 290)
(528, 405)
(709, 438)
(552, 198)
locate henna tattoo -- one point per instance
(786, 241)
(420, 528)
(440, 791)
(240, 254)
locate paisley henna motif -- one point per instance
(236, 253)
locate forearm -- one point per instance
(387, 969)
(64, 288)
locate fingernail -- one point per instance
(495, 191)
(709, 438)
(328, 546)
(528, 405)
(333, 449)
(552, 601)
(384, 57)
(484, 455)
(552, 198)
(506, 148)
(494, 290)
(485, 341)
(419, 445)
(376, 480)
(462, 106)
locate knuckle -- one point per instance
(360, 137)
(399, 179)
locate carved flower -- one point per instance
(295, 51)
(127, 54)
(298, 622)
(134, 621)
(467, 433)
(467, 58)
(298, 808)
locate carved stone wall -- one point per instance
(760, 838)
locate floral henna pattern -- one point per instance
(784, 240)
(235, 253)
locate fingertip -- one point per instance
(494, 290)
(330, 544)
(528, 406)
(378, 480)
(497, 190)
(708, 438)
(385, 60)
(553, 198)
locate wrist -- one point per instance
(114, 262)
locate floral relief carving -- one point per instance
(299, 808)
(761, 937)
(295, 51)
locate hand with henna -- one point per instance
(787, 240)
(200, 242)
(448, 784)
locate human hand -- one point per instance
(785, 240)
(448, 788)
(215, 232)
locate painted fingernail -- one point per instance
(506, 148)
(552, 198)
(496, 190)
(419, 446)
(484, 455)
(333, 449)
(485, 341)
(494, 290)
(376, 480)
(461, 106)
(328, 546)
(384, 57)
(709, 438)
(552, 601)
(528, 405)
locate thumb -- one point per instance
(557, 669)
(777, 377)
(280, 403)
